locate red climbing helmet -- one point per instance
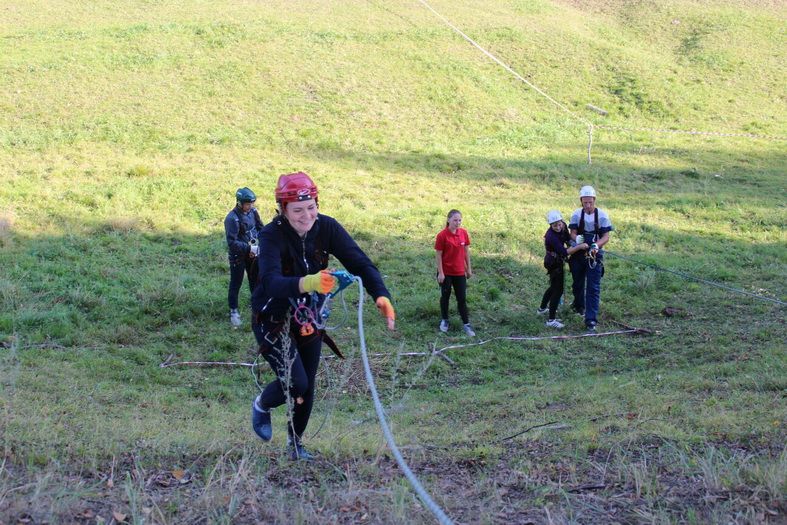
(294, 187)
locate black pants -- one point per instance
(238, 266)
(303, 355)
(459, 283)
(555, 290)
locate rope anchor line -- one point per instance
(698, 279)
(579, 118)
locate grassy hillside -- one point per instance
(125, 129)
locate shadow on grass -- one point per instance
(134, 288)
(567, 164)
(120, 301)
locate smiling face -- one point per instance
(588, 204)
(454, 221)
(557, 226)
(301, 215)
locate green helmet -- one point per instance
(245, 195)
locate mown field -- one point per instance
(125, 128)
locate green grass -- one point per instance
(124, 132)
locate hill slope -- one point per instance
(124, 131)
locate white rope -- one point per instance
(691, 132)
(508, 68)
(419, 489)
(582, 119)
(698, 279)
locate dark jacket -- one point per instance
(240, 228)
(284, 258)
(555, 245)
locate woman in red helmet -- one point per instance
(293, 257)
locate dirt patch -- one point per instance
(526, 482)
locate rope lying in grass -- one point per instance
(436, 510)
(440, 352)
(542, 338)
(168, 363)
(699, 279)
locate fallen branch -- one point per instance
(583, 488)
(207, 364)
(631, 331)
(53, 346)
(627, 327)
(167, 363)
(532, 428)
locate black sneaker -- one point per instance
(591, 328)
(579, 311)
(261, 421)
(298, 452)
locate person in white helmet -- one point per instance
(556, 239)
(591, 226)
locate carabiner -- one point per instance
(345, 279)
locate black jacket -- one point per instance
(284, 258)
(240, 228)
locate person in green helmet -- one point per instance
(242, 226)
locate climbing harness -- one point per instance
(315, 314)
(591, 256)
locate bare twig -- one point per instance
(528, 429)
(446, 358)
(641, 330)
(54, 346)
(582, 488)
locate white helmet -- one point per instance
(554, 216)
(587, 191)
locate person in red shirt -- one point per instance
(453, 269)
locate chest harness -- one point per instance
(242, 227)
(590, 255)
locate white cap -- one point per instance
(587, 191)
(554, 216)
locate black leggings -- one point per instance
(238, 266)
(555, 290)
(459, 283)
(304, 355)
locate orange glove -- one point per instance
(321, 282)
(386, 310)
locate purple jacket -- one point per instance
(555, 245)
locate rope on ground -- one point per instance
(699, 279)
(419, 489)
(542, 338)
(438, 352)
(168, 363)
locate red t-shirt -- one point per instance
(453, 247)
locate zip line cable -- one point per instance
(419, 489)
(540, 91)
(691, 277)
(590, 125)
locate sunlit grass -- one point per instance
(124, 133)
